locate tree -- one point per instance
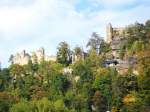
(82, 70)
(143, 68)
(59, 105)
(99, 102)
(81, 103)
(78, 54)
(134, 32)
(6, 101)
(43, 105)
(147, 28)
(78, 51)
(94, 61)
(36, 92)
(102, 83)
(11, 59)
(17, 72)
(22, 106)
(95, 42)
(59, 83)
(63, 53)
(5, 79)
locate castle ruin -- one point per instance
(113, 33)
(115, 39)
(37, 56)
(21, 58)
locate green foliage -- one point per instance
(43, 105)
(99, 102)
(17, 70)
(5, 79)
(102, 83)
(78, 51)
(82, 70)
(22, 106)
(43, 87)
(6, 101)
(63, 53)
(59, 83)
(93, 60)
(97, 43)
(59, 105)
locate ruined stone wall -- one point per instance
(21, 58)
(37, 56)
(109, 33)
(113, 33)
(115, 38)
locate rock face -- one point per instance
(23, 58)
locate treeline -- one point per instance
(88, 86)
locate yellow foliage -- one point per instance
(129, 99)
(143, 54)
(114, 109)
(143, 61)
(103, 71)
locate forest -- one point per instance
(90, 86)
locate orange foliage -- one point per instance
(37, 93)
(129, 99)
(114, 109)
(143, 54)
(103, 71)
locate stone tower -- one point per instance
(109, 33)
(40, 53)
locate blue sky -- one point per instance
(30, 24)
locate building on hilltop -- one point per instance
(37, 56)
(50, 58)
(21, 58)
(40, 53)
(77, 57)
(115, 38)
(113, 33)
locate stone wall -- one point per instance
(115, 38)
(21, 58)
(113, 33)
(37, 56)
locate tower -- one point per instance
(40, 54)
(109, 33)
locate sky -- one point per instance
(30, 24)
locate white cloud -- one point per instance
(115, 3)
(44, 23)
(47, 22)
